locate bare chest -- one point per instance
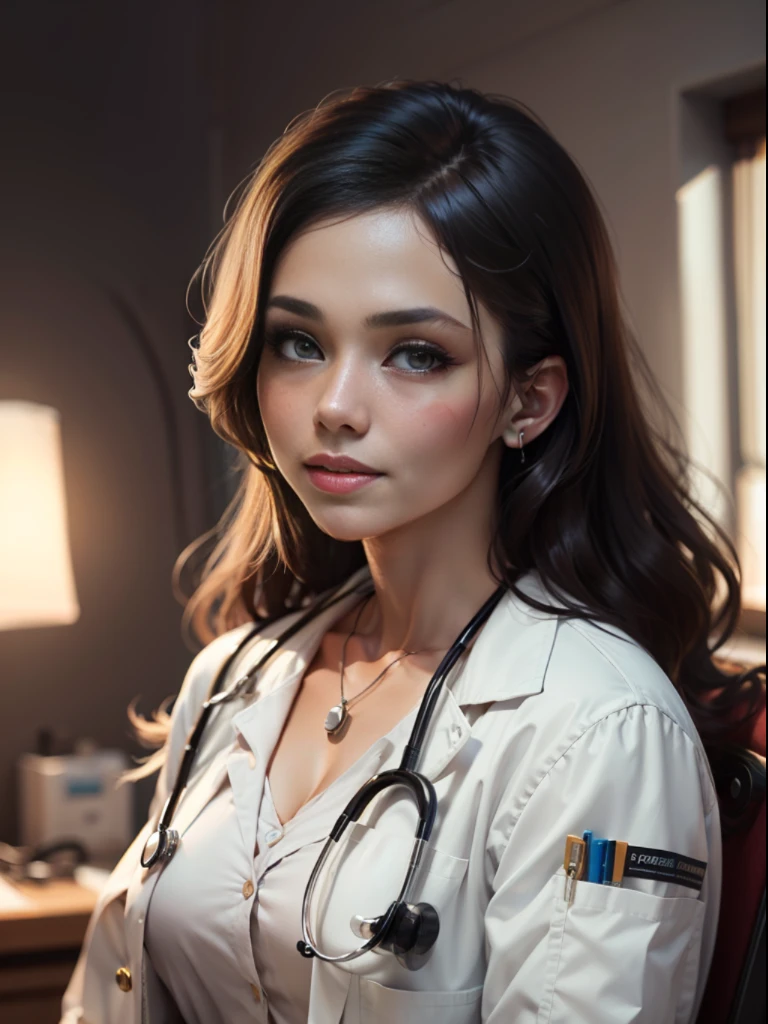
(306, 758)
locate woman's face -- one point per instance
(396, 392)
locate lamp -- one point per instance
(37, 586)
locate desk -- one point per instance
(39, 943)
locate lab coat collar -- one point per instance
(508, 660)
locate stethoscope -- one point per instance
(405, 929)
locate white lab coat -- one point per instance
(548, 727)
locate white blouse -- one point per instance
(220, 944)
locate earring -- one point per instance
(522, 453)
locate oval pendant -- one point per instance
(335, 718)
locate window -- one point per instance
(721, 237)
(745, 130)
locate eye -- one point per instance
(421, 357)
(414, 358)
(292, 345)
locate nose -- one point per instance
(341, 403)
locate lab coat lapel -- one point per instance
(509, 657)
(260, 726)
(200, 790)
(144, 880)
(261, 723)
(507, 661)
(204, 784)
(447, 733)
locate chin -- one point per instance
(346, 532)
(351, 524)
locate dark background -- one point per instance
(123, 130)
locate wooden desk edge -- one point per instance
(56, 919)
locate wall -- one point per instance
(104, 188)
(619, 89)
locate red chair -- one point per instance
(735, 992)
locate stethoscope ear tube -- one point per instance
(415, 742)
(162, 843)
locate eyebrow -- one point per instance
(390, 318)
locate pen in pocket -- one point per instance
(619, 861)
(573, 862)
(600, 861)
(587, 837)
(596, 859)
(606, 875)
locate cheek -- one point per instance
(279, 408)
(442, 426)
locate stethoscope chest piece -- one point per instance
(161, 845)
(412, 933)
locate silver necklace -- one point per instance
(337, 716)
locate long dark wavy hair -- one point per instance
(602, 506)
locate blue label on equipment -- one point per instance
(84, 787)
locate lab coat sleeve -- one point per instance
(103, 938)
(611, 955)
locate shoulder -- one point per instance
(567, 691)
(570, 671)
(604, 670)
(246, 641)
(603, 723)
(198, 679)
(606, 700)
(205, 664)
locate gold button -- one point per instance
(248, 889)
(123, 979)
(256, 993)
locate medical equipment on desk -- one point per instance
(405, 929)
(76, 797)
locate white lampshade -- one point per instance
(37, 586)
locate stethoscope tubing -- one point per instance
(215, 697)
(415, 742)
(419, 786)
(164, 841)
(309, 939)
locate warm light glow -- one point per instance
(705, 336)
(750, 494)
(749, 250)
(37, 586)
(706, 346)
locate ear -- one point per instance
(540, 401)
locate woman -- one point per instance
(414, 335)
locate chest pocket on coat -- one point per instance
(592, 953)
(364, 876)
(378, 1003)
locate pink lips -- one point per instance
(339, 474)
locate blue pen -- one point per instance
(608, 863)
(587, 837)
(596, 860)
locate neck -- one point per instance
(430, 578)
